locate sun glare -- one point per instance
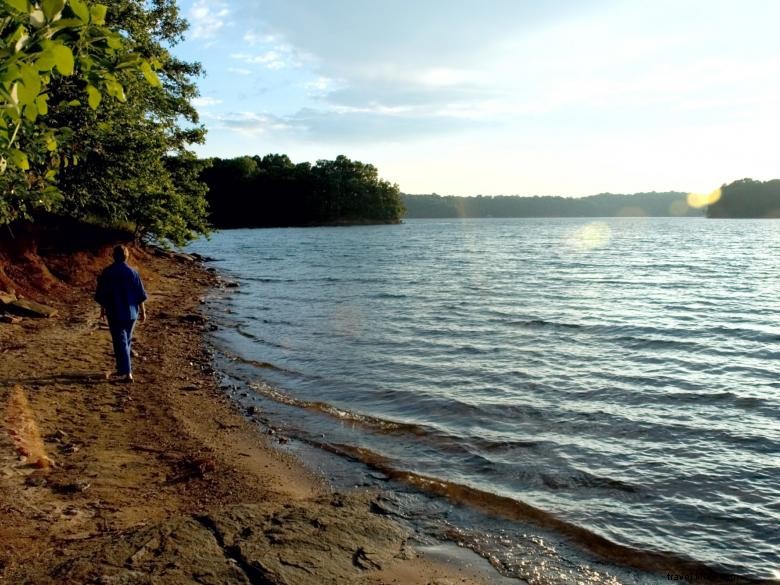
(594, 235)
(699, 200)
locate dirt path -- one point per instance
(162, 481)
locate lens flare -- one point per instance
(699, 200)
(678, 208)
(590, 237)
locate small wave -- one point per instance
(244, 333)
(384, 425)
(582, 479)
(258, 364)
(631, 342)
(541, 323)
(266, 279)
(746, 334)
(747, 402)
(388, 295)
(517, 510)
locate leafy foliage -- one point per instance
(134, 168)
(42, 43)
(747, 198)
(273, 191)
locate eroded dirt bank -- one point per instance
(163, 481)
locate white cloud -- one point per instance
(251, 123)
(207, 18)
(252, 38)
(279, 57)
(321, 86)
(204, 102)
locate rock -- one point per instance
(36, 480)
(232, 284)
(31, 308)
(376, 508)
(10, 319)
(74, 487)
(194, 318)
(6, 298)
(366, 560)
(43, 462)
(58, 436)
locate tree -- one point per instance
(41, 44)
(136, 168)
(747, 198)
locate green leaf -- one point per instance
(114, 41)
(31, 112)
(63, 58)
(67, 23)
(115, 89)
(30, 79)
(41, 102)
(93, 97)
(98, 12)
(150, 75)
(52, 8)
(19, 159)
(19, 5)
(80, 9)
(30, 87)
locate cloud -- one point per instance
(251, 123)
(203, 102)
(207, 18)
(374, 123)
(239, 71)
(278, 57)
(252, 38)
(321, 86)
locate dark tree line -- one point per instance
(604, 205)
(272, 191)
(747, 198)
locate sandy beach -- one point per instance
(164, 481)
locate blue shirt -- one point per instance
(120, 292)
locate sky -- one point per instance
(512, 97)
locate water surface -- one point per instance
(621, 374)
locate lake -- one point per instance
(620, 375)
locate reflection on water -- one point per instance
(620, 374)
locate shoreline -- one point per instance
(165, 480)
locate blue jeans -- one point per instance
(122, 337)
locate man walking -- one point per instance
(122, 297)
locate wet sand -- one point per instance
(164, 481)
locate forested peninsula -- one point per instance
(747, 198)
(272, 191)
